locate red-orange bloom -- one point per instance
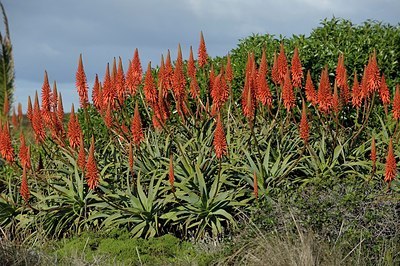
(391, 167)
(324, 92)
(29, 111)
(219, 142)
(136, 127)
(81, 84)
(297, 72)
(373, 152)
(81, 155)
(6, 148)
(373, 80)
(134, 74)
(340, 72)
(282, 65)
(356, 92)
(384, 91)
(96, 94)
(46, 100)
(108, 92)
(311, 93)
(179, 81)
(304, 127)
(74, 130)
(219, 93)
(396, 103)
(168, 73)
(288, 96)
(24, 189)
(150, 91)
(263, 92)
(202, 52)
(255, 185)
(171, 176)
(37, 122)
(120, 83)
(92, 173)
(191, 68)
(23, 154)
(54, 97)
(248, 94)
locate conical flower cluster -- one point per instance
(92, 173)
(219, 142)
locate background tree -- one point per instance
(6, 66)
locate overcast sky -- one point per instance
(50, 34)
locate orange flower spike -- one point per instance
(304, 126)
(168, 73)
(288, 96)
(74, 130)
(29, 112)
(344, 90)
(150, 91)
(37, 121)
(324, 92)
(136, 127)
(274, 71)
(391, 166)
(297, 72)
(54, 97)
(24, 189)
(373, 153)
(219, 142)
(373, 80)
(134, 74)
(81, 84)
(340, 72)
(7, 150)
(81, 155)
(179, 81)
(92, 173)
(120, 83)
(160, 78)
(396, 103)
(263, 92)
(171, 176)
(282, 64)
(356, 92)
(255, 185)
(46, 99)
(108, 92)
(96, 93)
(228, 70)
(384, 91)
(23, 152)
(191, 68)
(202, 52)
(311, 93)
